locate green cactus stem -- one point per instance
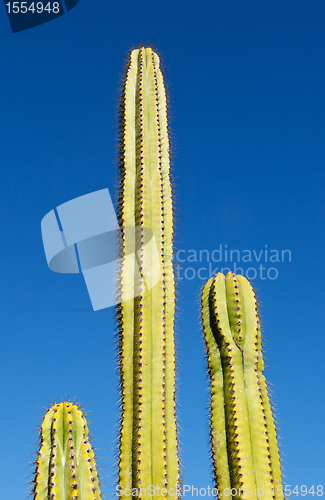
(148, 440)
(65, 465)
(243, 435)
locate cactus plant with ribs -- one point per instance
(65, 464)
(148, 439)
(243, 436)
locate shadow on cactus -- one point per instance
(243, 435)
(65, 464)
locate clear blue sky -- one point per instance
(246, 85)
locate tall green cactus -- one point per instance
(243, 435)
(65, 465)
(148, 440)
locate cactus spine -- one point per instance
(243, 436)
(65, 465)
(148, 441)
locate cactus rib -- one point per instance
(65, 465)
(233, 341)
(148, 440)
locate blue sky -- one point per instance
(246, 99)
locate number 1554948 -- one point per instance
(34, 7)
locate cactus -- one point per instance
(148, 453)
(243, 435)
(65, 465)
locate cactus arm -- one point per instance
(148, 441)
(253, 456)
(68, 457)
(218, 436)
